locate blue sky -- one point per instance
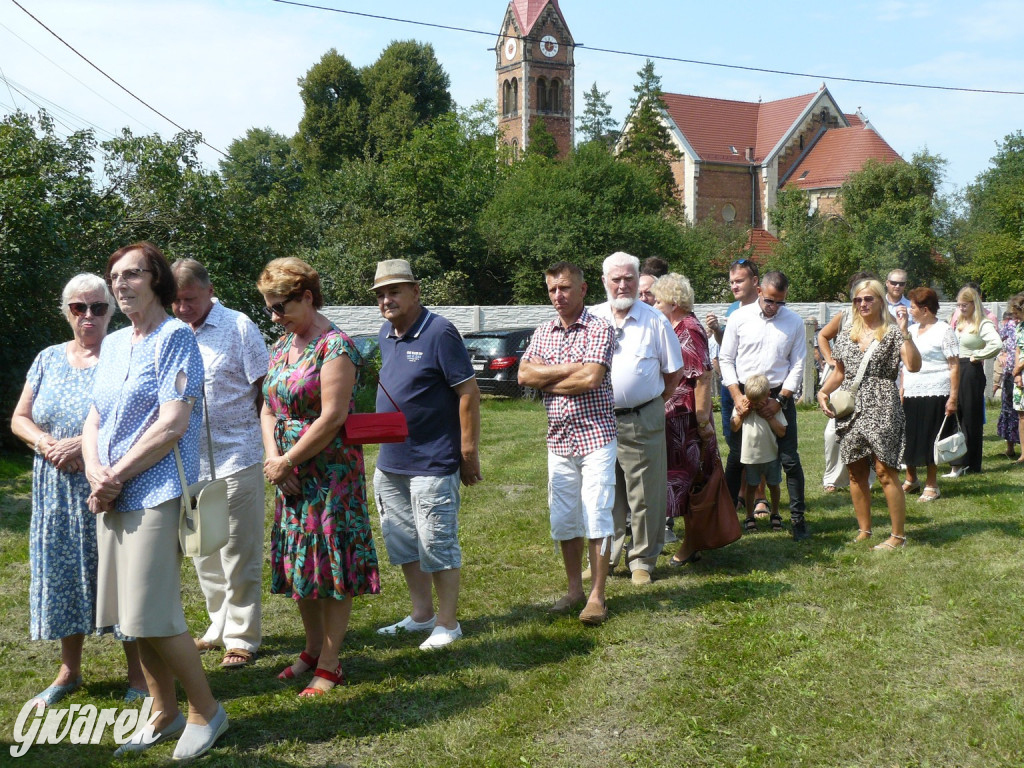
(223, 66)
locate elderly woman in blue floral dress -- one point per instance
(62, 538)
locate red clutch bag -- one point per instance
(363, 428)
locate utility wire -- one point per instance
(659, 57)
(111, 79)
(54, 109)
(77, 80)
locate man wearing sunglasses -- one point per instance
(235, 360)
(768, 338)
(895, 287)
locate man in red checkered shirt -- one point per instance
(569, 360)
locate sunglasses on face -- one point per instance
(79, 308)
(129, 275)
(898, 283)
(773, 302)
(864, 300)
(279, 308)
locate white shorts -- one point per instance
(581, 493)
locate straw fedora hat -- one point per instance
(393, 271)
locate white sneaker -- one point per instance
(441, 637)
(408, 625)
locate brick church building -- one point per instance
(535, 74)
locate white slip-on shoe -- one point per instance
(408, 625)
(197, 740)
(144, 738)
(440, 637)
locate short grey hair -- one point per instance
(84, 282)
(675, 289)
(190, 272)
(621, 259)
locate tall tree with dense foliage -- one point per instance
(333, 125)
(581, 210)
(540, 141)
(646, 141)
(596, 123)
(989, 248)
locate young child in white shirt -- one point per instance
(759, 450)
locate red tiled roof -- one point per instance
(528, 11)
(839, 153)
(759, 244)
(714, 126)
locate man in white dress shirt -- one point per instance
(235, 359)
(895, 287)
(646, 366)
(765, 337)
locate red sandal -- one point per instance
(305, 658)
(335, 678)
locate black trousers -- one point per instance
(972, 410)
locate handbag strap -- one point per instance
(209, 436)
(863, 368)
(186, 499)
(381, 385)
(945, 418)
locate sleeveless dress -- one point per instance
(877, 425)
(62, 536)
(321, 545)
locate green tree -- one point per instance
(596, 122)
(260, 161)
(540, 142)
(988, 246)
(333, 125)
(405, 88)
(581, 210)
(53, 225)
(645, 140)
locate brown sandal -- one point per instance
(239, 657)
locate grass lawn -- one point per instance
(765, 653)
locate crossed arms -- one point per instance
(561, 379)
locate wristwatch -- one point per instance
(781, 400)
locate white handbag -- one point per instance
(203, 525)
(844, 401)
(949, 449)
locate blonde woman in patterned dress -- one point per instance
(875, 429)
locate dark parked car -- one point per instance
(495, 356)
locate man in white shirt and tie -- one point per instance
(767, 338)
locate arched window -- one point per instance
(515, 149)
(543, 104)
(508, 98)
(555, 95)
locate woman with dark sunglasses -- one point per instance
(62, 537)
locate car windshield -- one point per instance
(484, 345)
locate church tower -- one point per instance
(535, 74)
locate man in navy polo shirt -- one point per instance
(426, 370)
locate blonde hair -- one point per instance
(675, 289)
(859, 327)
(757, 387)
(972, 325)
(290, 276)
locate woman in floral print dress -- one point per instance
(321, 548)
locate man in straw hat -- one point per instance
(426, 370)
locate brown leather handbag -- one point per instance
(711, 521)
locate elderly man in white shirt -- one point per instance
(646, 367)
(235, 359)
(767, 338)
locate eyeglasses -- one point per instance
(863, 300)
(79, 308)
(279, 308)
(129, 275)
(897, 283)
(619, 333)
(964, 304)
(773, 302)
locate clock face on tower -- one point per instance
(510, 48)
(548, 46)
